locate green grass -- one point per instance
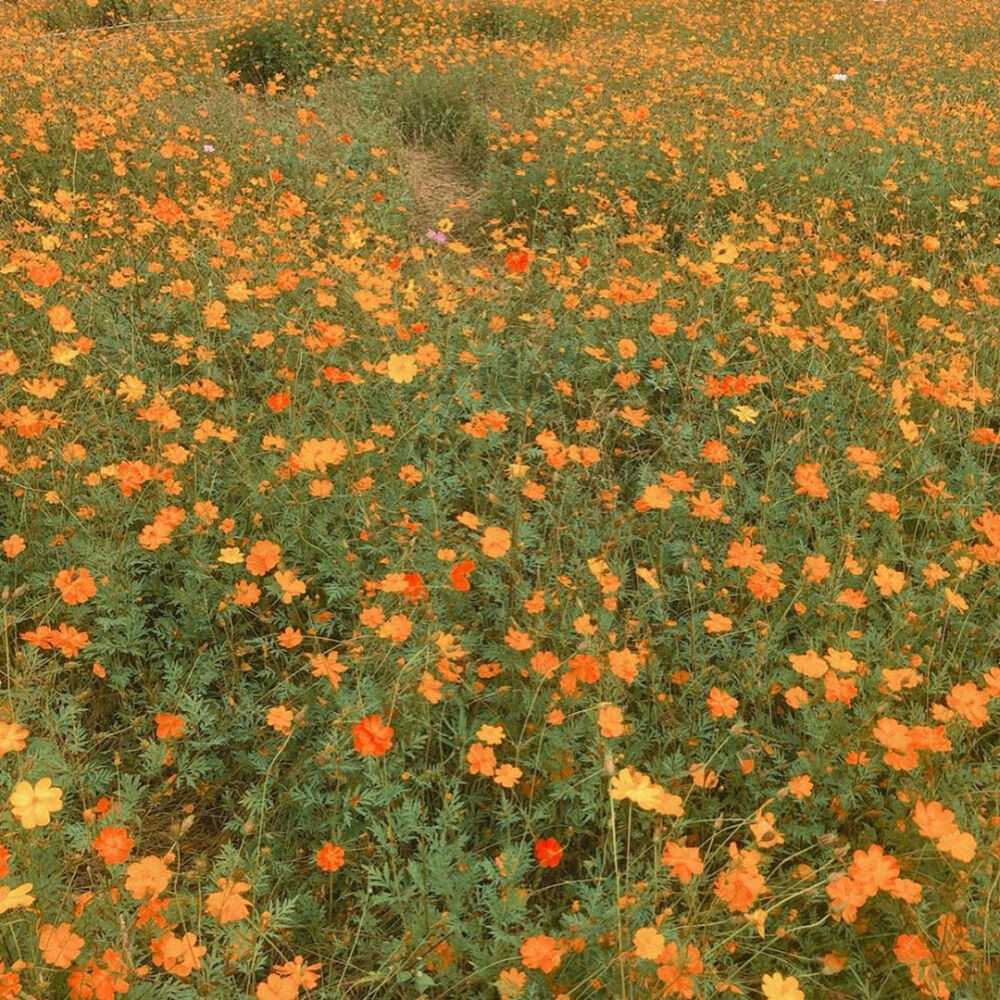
(431, 431)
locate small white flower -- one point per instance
(840, 77)
(208, 147)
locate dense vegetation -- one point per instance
(499, 500)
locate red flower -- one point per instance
(459, 574)
(517, 261)
(548, 851)
(371, 738)
(113, 844)
(279, 401)
(415, 589)
(330, 857)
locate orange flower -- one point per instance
(717, 624)
(177, 955)
(510, 983)
(715, 452)
(545, 663)
(610, 721)
(168, 726)
(961, 846)
(12, 546)
(98, 980)
(491, 735)
(764, 583)
(315, 454)
(796, 697)
(541, 952)
(884, 503)
(684, 862)
(677, 969)
(809, 663)
(911, 950)
(662, 325)
(866, 460)
(59, 945)
(277, 987)
(481, 760)
(933, 820)
(873, 870)
(263, 557)
(430, 687)
(852, 598)
(507, 776)
(113, 845)
(656, 497)
(396, 629)
(517, 639)
(846, 898)
(147, 877)
(703, 506)
(624, 664)
(720, 704)
(280, 719)
(971, 703)
(289, 638)
(809, 481)
(639, 788)
(371, 737)
(801, 786)
(13, 738)
(15, 898)
(228, 905)
(888, 581)
(279, 401)
(327, 665)
(76, 585)
(246, 593)
(61, 319)
(741, 883)
(739, 888)
(744, 554)
(765, 834)
(214, 315)
(955, 600)
(938, 824)
(495, 542)
(330, 858)
(290, 586)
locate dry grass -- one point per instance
(439, 191)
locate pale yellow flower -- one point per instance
(33, 806)
(11, 899)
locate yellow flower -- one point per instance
(724, 251)
(745, 414)
(778, 987)
(648, 943)
(401, 367)
(11, 899)
(33, 806)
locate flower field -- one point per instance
(499, 500)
